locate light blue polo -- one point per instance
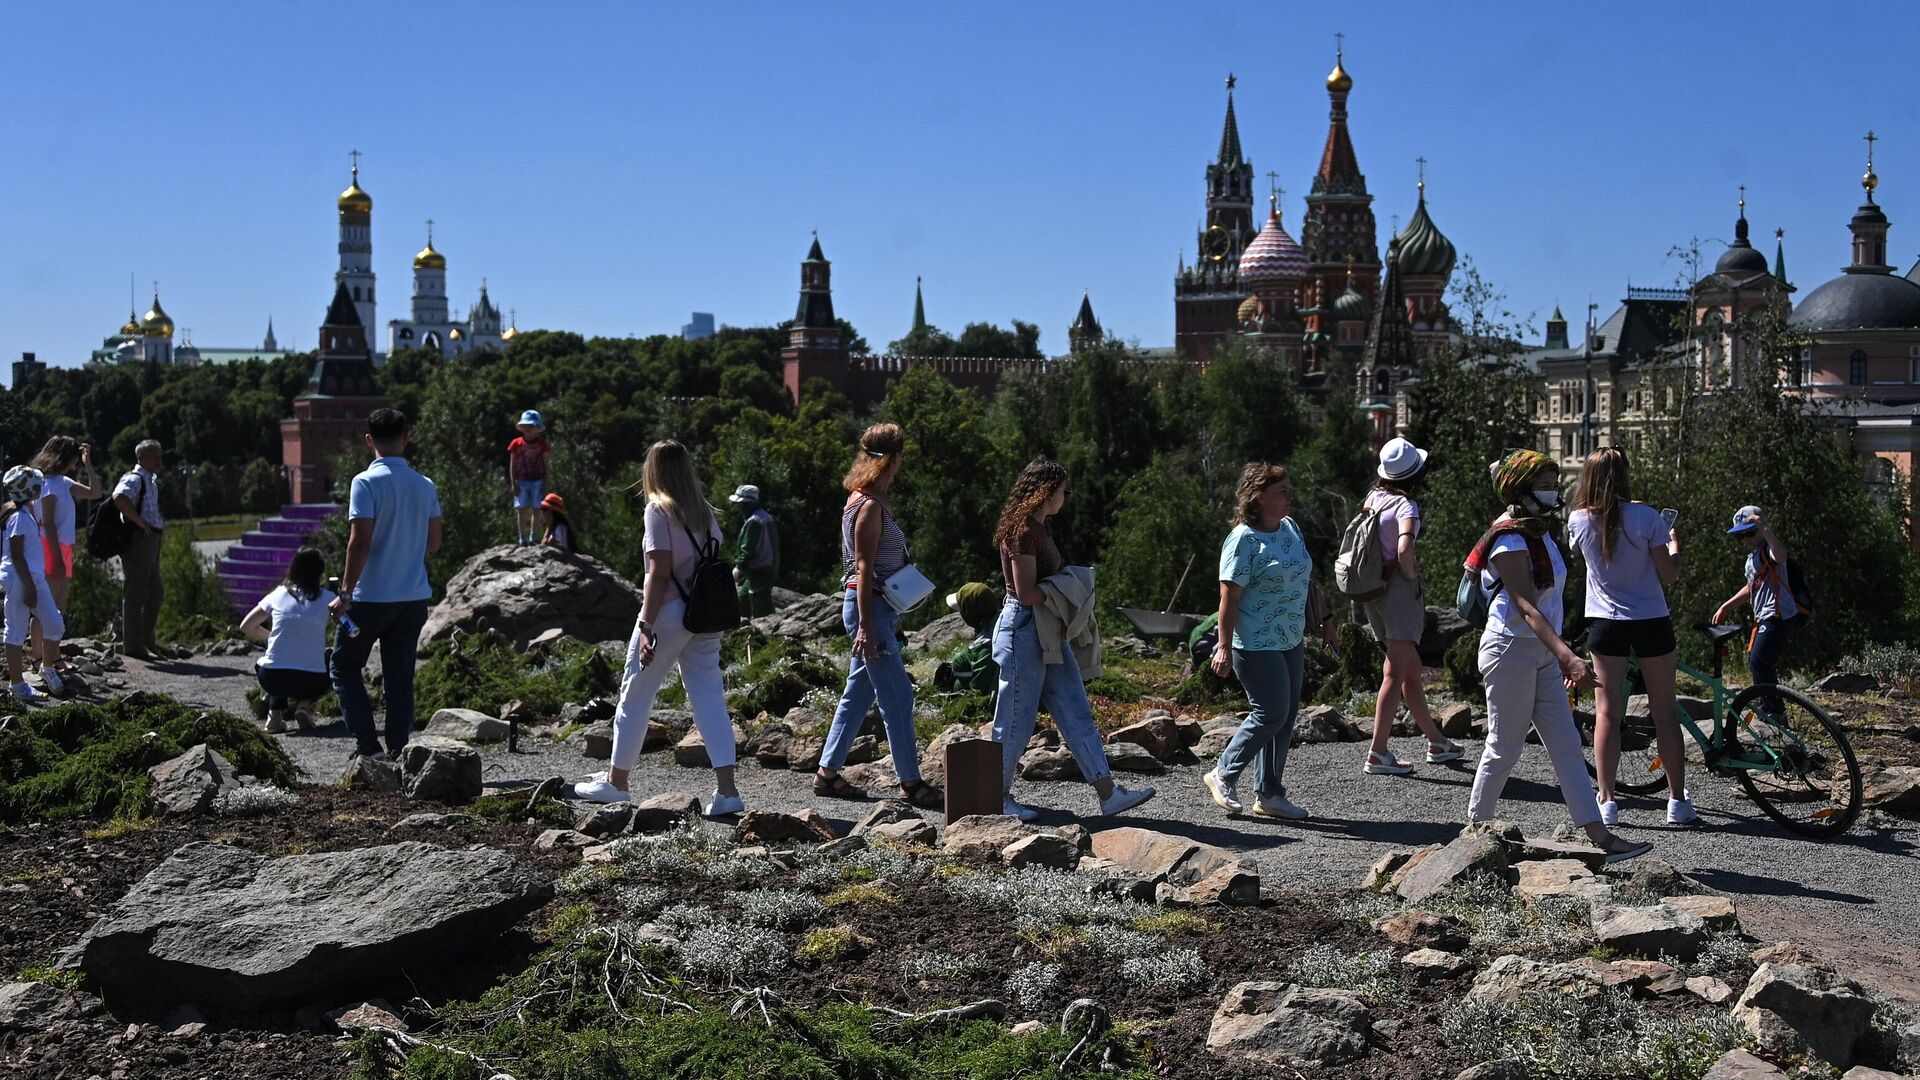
(400, 502)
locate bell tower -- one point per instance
(356, 246)
(1339, 224)
(814, 348)
(1207, 296)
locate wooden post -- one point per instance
(973, 778)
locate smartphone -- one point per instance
(1668, 515)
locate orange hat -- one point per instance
(554, 502)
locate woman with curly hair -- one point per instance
(1028, 557)
(873, 548)
(1266, 574)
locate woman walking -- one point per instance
(1523, 661)
(872, 549)
(1399, 616)
(1265, 577)
(1632, 555)
(292, 620)
(680, 527)
(1028, 680)
(57, 461)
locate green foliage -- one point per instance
(1609, 1036)
(260, 490)
(1357, 668)
(1895, 665)
(93, 598)
(1165, 529)
(196, 607)
(948, 496)
(484, 672)
(797, 462)
(92, 760)
(1252, 407)
(1463, 668)
(1106, 436)
(1466, 416)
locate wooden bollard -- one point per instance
(973, 778)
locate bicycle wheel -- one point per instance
(1814, 787)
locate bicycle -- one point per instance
(1788, 754)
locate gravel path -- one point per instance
(1856, 901)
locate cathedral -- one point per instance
(432, 325)
(1327, 302)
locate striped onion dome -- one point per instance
(1273, 256)
(1424, 250)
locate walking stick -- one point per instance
(1183, 583)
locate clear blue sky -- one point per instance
(611, 168)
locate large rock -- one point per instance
(440, 770)
(1848, 682)
(188, 784)
(1637, 976)
(1430, 964)
(1741, 1065)
(220, 926)
(1895, 789)
(984, 836)
(371, 774)
(522, 592)
(942, 635)
(1456, 720)
(1651, 931)
(1558, 878)
(1423, 929)
(691, 751)
(1195, 873)
(468, 725)
(1049, 763)
(1716, 911)
(885, 812)
(807, 617)
(1515, 979)
(1157, 733)
(658, 813)
(1324, 724)
(1468, 855)
(1789, 1007)
(1133, 758)
(38, 1006)
(1443, 628)
(916, 832)
(596, 742)
(1042, 849)
(774, 827)
(933, 760)
(1272, 1023)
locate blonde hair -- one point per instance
(670, 482)
(1605, 488)
(880, 446)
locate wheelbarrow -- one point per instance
(1166, 625)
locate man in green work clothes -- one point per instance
(756, 561)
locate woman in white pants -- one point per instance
(680, 526)
(1524, 663)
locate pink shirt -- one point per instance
(665, 533)
(1393, 510)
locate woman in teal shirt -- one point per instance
(1265, 577)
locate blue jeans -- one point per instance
(885, 678)
(1027, 682)
(1272, 680)
(285, 686)
(526, 494)
(1763, 659)
(396, 628)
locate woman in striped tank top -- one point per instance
(872, 549)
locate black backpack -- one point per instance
(712, 605)
(1796, 583)
(109, 533)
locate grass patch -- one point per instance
(829, 945)
(1368, 974)
(60, 977)
(510, 807)
(862, 894)
(89, 760)
(119, 827)
(1174, 922)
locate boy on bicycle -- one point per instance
(1775, 611)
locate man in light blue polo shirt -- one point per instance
(393, 524)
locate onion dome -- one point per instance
(354, 200)
(1350, 304)
(513, 328)
(156, 322)
(1338, 80)
(1423, 249)
(1249, 310)
(1741, 260)
(429, 259)
(1273, 256)
(132, 329)
(456, 335)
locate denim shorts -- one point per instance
(526, 494)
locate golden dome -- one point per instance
(429, 259)
(156, 322)
(1338, 80)
(133, 324)
(509, 333)
(1249, 310)
(456, 335)
(355, 200)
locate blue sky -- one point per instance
(612, 168)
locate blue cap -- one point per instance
(1745, 519)
(532, 416)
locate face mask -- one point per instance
(1547, 499)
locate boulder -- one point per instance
(228, 928)
(1042, 849)
(658, 813)
(440, 770)
(37, 1006)
(1444, 627)
(601, 822)
(933, 760)
(1716, 911)
(775, 827)
(1741, 1065)
(371, 774)
(883, 813)
(1134, 758)
(1270, 1023)
(1423, 929)
(1538, 849)
(560, 840)
(1637, 976)
(523, 592)
(1781, 952)
(1710, 990)
(1427, 965)
(1456, 720)
(1861, 1072)
(436, 821)
(1792, 1007)
(1847, 682)
(1323, 724)
(1657, 877)
(941, 635)
(1150, 854)
(1515, 979)
(1651, 931)
(691, 751)
(803, 752)
(1559, 877)
(1157, 734)
(1212, 743)
(596, 742)
(188, 784)
(805, 618)
(375, 1015)
(1468, 855)
(1235, 884)
(1894, 790)
(468, 725)
(1049, 763)
(984, 836)
(916, 831)
(1413, 860)
(1381, 874)
(1196, 873)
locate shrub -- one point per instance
(717, 949)
(196, 608)
(863, 894)
(1895, 665)
(937, 967)
(1042, 898)
(1172, 972)
(1609, 1036)
(1030, 984)
(777, 909)
(1368, 974)
(253, 799)
(1357, 669)
(1463, 668)
(484, 671)
(828, 945)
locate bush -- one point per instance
(196, 607)
(1604, 1037)
(485, 672)
(260, 490)
(1356, 670)
(1896, 665)
(93, 602)
(87, 760)
(1463, 668)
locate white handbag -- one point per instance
(907, 588)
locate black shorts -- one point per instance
(1644, 638)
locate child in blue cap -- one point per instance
(527, 474)
(1775, 609)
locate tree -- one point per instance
(1166, 529)
(260, 489)
(1107, 436)
(1252, 406)
(947, 498)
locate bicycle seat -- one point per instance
(1720, 634)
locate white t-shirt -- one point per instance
(1627, 586)
(61, 488)
(25, 524)
(664, 533)
(1502, 617)
(296, 630)
(1393, 510)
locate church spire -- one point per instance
(1339, 168)
(1780, 255)
(270, 345)
(919, 308)
(1230, 131)
(1085, 331)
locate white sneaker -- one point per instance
(1386, 765)
(1279, 806)
(1123, 800)
(601, 790)
(719, 805)
(1681, 812)
(1224, 794)
(1610, 813)
(52, 679)
(303, 716)
(276, 721)
(1018, 810)
(25, 693)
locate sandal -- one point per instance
(835, 787)
(921, 794)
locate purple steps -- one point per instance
(254, 566)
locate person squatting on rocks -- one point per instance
(872, 549)
(393, 524)
(971, 667)
(58, 514)
(527, 473)
(1038, 665)
(1632, 555)
(138, 497)
(1776, 611)
(293, 620)
(23, 574)
(756, 558)
(1266, 576)
(1399, 615)
(679, 528)
(559, 530)
(1527, 668)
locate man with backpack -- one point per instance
(137, 498)
(1776, 588)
